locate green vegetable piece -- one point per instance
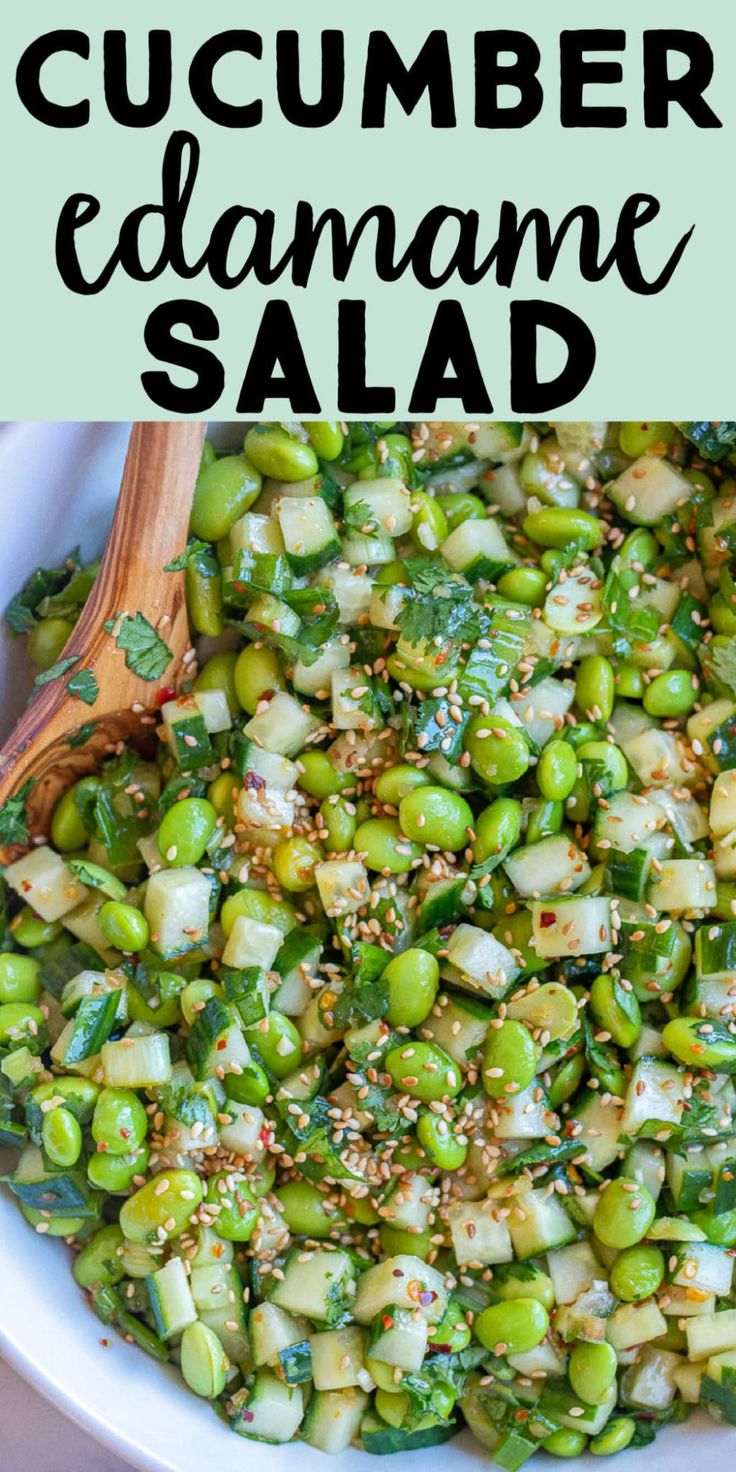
(513, 1327)
(624, 1213)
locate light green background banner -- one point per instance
(667, 356)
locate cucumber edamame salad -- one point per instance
(370, 1040)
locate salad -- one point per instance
(369, 1033)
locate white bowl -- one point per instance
(57, 487)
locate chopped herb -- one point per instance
(192, 548)
(84, 686)
(44, 582)
(360, 517)
(13, 816)
(55, 671)
(81, 736)
(145, 652)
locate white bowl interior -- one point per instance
(58, 484)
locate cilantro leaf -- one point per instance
(44, 582)
(722, 664)
(55, 671)
(81, 736)
(437, 729)
(359, 517)
(95, 877)
(712, 438)
(84, 686)
(439, 604)
(629, 622)
(13, 816)
(192, 548)
(145, 652)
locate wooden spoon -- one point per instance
(149, 529)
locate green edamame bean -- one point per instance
(440, 1141)
(308, 1211)
(453, 1332)
(719, 1227)
(203, 584)
(98, 1262)
(542, 473)
(672, 693)
(564, 526)
(222, 793)
(22, 1025)
(62, 1137)
(257, 673)
(123, 926)
(595, 687)
(700, 1043)
(46, 641)
(527, 585)
(606, 766)
(338, 823)
(429, 523)
(278, 455)
(498, 751)
(624, 1213)
(120, 1122)
(19, 978)
(294, 861)
(509, 1059)
(637, 1273)
(518, 1325)
(615, 1437)
(535, 1285)
(638, 439)
(629, 682)
(566, 1080)
(204, 1363)
(68, 829)
(640, 550)
(78, 1094)
(172, 1196)
(326, 438)
(397, 782)
(278, 1043)
(413, 978)
(557, 771)
(423, 1071)
(722, 615)
(395, 1240)
(497, 829)
(580, 734)
(592, 1371)
(156, 1013)
(234, 1208)
(185, 830)
(436, 815)
(319, 778)
(542, 819)
(565, 1443)
(257, 905)
(219, 674)
(208, 456)
(385, 847)
(31, 932)
(223, 493)
(53, 1226)
(115, 1173)
(252, 1086)
(460, 506)
(616, 1010)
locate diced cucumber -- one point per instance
(523, 1116)
(601, 1132)
(348, 687)
(320, 1285)
(273, 1411)
(352, 590)
(338, 1358)
(648, 490)
(538, 1224)
(704, 1267)
(460, 1027)
(655, 1097)
(628, 821)
(683, 885)
(575, 606)
(573, 1270)
(46, 883)
(309, 533)
(478, 549)
(379, 507)
(137, 1062)
(243, 1134)
(402, 1280)
(170, 1297)
(478, 1235)
(284, 728)
(650, 1382)
(576, 927)
(554, 865)
(272, 1330)
(542, 707)
(711, 1334)
(311, 678)
(399, 1338)
(251, 943)
(333, 1419)
(343, 886)
(296, 962)
(635, 1323)
(177, 907)
(658, 758)
(483, 962)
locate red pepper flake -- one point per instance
(547, 918)
(221, 1043)
(387, 1321)
(265, 1136)
(248, 1415)
(168, 693)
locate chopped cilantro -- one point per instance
(84, 686)
(81, 736)
(439, 604)
(145, 652)
(13, 816)
(44, 582)
(55, 671)
(722, 664)
(359, 517)
(193, 547)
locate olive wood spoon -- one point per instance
(149, 529)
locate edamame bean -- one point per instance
(338, 823)
(385, 847)
(535, 1284)
(68, 829)
(557, 771)
(53, 1226)
(395, 1240)
(615, 1437)
(583, 732)
(566, 1080)
(499, 752)
(62, 1137)
(123, 926)
(224, 491)
(116, 1173)
(232, 1205)
(412, 978)
(19, 981)
(638, 439)
(542, 819)
(605, 766)
(719, 1227)
(79, 1095)
(616, 1010)
(672, 693)
(423, 1071)
(624, 1213)
(278, 1043)
(429, 523)
(565, 1443)
(509, 1059)
(167, 1201)
(185, 830)
(31, 932)
(592, 1371)
(452, 1332)
(637, 1273)
(257, 674)
(99, 1262)
(527, 585)
(277, 454)
(595, 687)
(497, 829)
(203, 584)
(444, 1148)
(222, 793)
(120, 1122)
(326, 438)
(294, 861)
(252, 1086)
(204, 1363)
(308, 1211)
(435, 815)
(700, 1043)
(551, 1007)
(513, 1327)
(257, 905)
(46, 641)
(460, 506)
(564, 526)
(319, 778)
(219, 674)
(397, 782)
(629, 682)
(22, 1025)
